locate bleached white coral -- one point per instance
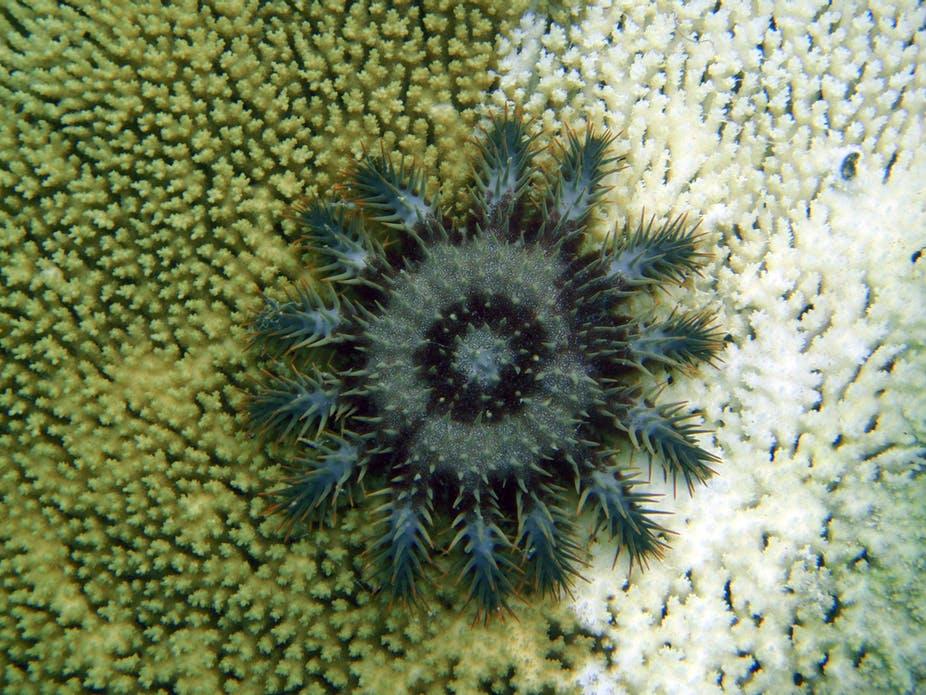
(795, 131)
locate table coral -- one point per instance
(796, 130)
(148, 153)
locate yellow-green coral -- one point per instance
(148, 153)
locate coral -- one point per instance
(149, 153)
(484, 367)
(796, 131)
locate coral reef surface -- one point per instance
(149, 152)
(797, 131)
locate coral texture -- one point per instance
(149, 152)
(482, 369)
(797, 131)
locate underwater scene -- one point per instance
(462, 347)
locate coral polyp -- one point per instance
(481, 375)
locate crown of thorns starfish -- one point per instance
(482, 372)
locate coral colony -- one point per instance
(483, 375)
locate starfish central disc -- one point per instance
(495, 383)
(480, 356)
